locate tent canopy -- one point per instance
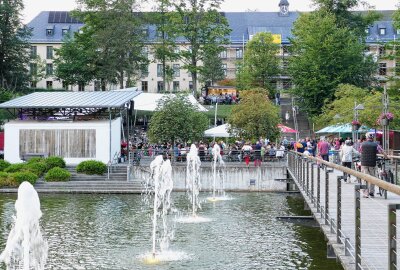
(149, 101)
(341, 128)
(218, 131)
(285, 129)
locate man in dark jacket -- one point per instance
(369, 150)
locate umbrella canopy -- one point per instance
(285, 129)
(219, 131)
(342, 128)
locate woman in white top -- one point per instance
(346, 154)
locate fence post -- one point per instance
(327, 171)
(339, 210)
(308, 178)
(318, 188)
(392, 245)
(357, 223)
(312, 183)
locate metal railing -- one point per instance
(303, 169)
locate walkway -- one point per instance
(374, 216)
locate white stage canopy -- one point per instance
(149, 101)
(218, 131)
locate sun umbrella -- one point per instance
(285, 129)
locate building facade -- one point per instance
(50, 27)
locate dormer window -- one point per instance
(145, 32)
(65, 30)
(367, 31)
(398, 31)
(50, 30)
(382, 31)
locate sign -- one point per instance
(277, 38)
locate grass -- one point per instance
(224, 111)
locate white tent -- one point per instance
(218, 131)
(149, 101)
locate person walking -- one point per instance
(347, 152)
(369, 150)
(323, 149)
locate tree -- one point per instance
(204, 29)
(177, 119)
(261, 62)
(324, 56)
(37, 69)
(255, 116)
(341, 110)
(116, 34)
(14, 46)
(212, 70)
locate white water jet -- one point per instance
(161, 186)
(193, 178)
(26, 249)
(217, 165)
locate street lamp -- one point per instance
(357, 108)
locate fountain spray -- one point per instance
(193, 177)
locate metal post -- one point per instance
(347, 246)
(358, 225)
(303, 177)
(308, 178)
(339, 210)
(392, 237)
(109, 154)
(312, 182)
(395, 172)
(326, 196)
(318, 188)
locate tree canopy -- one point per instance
(261, 63)
(324, 56)
(177, 119)
(255, 116)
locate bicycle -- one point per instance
(385, 175)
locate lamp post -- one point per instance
(357, 108)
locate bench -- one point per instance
(28, 156)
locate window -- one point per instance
(176, 85)
(382, 69)
(49, 69)
(49, 84)
(177, 50)
(145, 52)
(81, 87)
(367, 31)
(33, 69)
(33, 85)
(398, 31)
(65, 32)
(49, 54)
(382, 50)
(285, 50)
(96, 86)
(145, 86)
(145, 32)
(49, 32)
(382, 31)
(223, 54)
(239, 53)
(33, 51)
(160, 86)
(159, 70)
(176, 69)
(286, 84)
(65, 85)
(191, 86)
(224, 68)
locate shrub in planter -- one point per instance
(35, 160)
(57, 174)
(25, 176)
(91, 167)
(4, 164)
(17, 167)
(52, 162)
(6, 180)
(38, 168)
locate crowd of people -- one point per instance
(227, 99)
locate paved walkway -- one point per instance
(374, 221)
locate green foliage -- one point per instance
(324, 56)
(261, 63)
(204, 28)
(91, 167)
(20, 177)
(223, 111)
(57, 174)
(38, 168)
(14, 49)
(4, 164)
(256, 116)
(6, 180)
(35, 160)
(341, 110)
(212, 70)
(16, 167)
(176, 119)
(52, 162)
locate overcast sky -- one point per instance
(33, 7)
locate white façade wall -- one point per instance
(102, 127)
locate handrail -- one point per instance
(370, 179)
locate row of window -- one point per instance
(50, 30)
(49, 52)
(381, 31)
(161, 88)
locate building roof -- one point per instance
(149, 101)
(243, 25)
(110, 99)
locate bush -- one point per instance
(20, 177)
(57, 174)
(6, 180)
(35, 160)
(38, 168)
(91, 167)
(17, 167)
(4, 164)
(52, 162)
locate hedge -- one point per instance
(17, 167)
(4, 164)
(20, 177)
(52, 162)
(7, 180)
(57, 174)
(91, 167)
(38, 168)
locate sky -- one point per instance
(33, 7)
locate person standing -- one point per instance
(369, 150)
(323, 149)
(346, 153)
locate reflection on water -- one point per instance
(112, 231)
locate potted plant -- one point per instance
(356, 124)
(385, 118)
